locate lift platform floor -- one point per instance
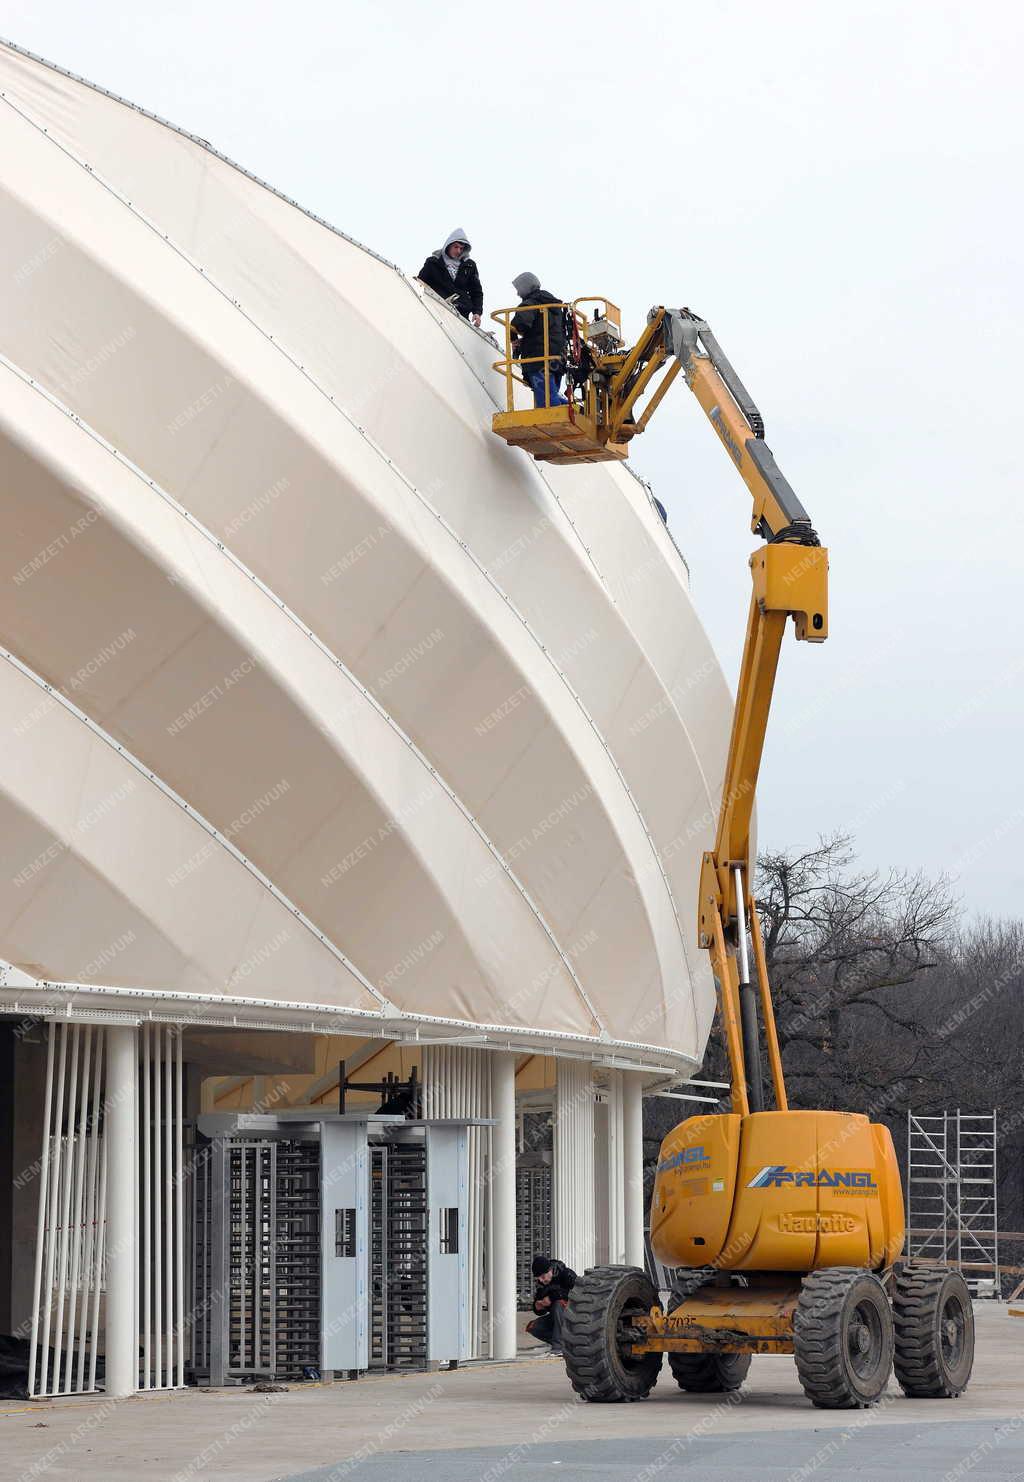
(556, 435)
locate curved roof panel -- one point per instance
(447, 714)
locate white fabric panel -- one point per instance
(524, 637)
(141, 891)
(289, 723)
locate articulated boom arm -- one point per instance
(790, 579)
(596, 422)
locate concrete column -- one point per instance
(616, 1171)
(633, 1164)
(120, 1132)
(574, 1172)
(503, 1202)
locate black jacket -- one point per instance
(466, 283)
(563, 1278)
(529, 325)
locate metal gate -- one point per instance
(69, 1280)
(403, 1231)
(378, 1353)
(316, 1245)
(296, 1287)
(71, 1222)
(533, 1222)
(251, 1173)
(256, 1259)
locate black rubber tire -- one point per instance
(709, 1373)
(843, 1338)
(934, 1333)
(594, 1360)
(705, 1373)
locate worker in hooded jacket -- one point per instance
(452, 273)
(528, 336)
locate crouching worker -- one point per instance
(528, 330)
(452, 274)
(554, 1283)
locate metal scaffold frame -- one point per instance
(952, 1194)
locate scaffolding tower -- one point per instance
(952, 1195)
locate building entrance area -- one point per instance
(340, 1244)
(202, 1205)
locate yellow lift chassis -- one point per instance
(784, 1227)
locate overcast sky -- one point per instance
(835, 187)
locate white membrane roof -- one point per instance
(320, 705)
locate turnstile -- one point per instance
(338, 1243)
(256, 1268)
(398, 1254)
(533, 1220)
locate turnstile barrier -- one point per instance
(330, 1245)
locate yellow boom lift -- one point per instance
(784, 1227)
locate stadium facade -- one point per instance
(342, 742)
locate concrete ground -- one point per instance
(520, 1423)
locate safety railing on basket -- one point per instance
(574, 362)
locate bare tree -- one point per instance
(885, 1000)
(848, 952)
(846, 949)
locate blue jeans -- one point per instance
(535, 380)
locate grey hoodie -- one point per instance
(451, 263)
(525, 283)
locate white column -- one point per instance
(616, 1172)
(503, 1202)
(573, 1182)
(633, 1164)
(119, 1136)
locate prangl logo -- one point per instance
(778, 1176)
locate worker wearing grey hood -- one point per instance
(452, 273)
(528, 332)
